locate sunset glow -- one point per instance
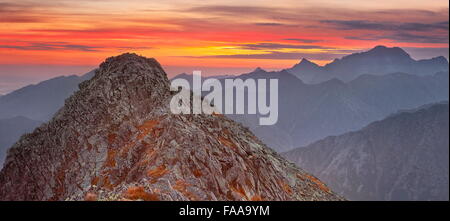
(215, 34)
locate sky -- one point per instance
(46, 38)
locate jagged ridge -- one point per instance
(115, 139)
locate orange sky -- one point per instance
(214, 34)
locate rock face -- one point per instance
(116, 139)
(403, 157)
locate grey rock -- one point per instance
(116, 139)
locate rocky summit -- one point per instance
(116, 139)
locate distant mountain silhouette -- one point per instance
(306, 70)
(308, 113)
(403, 157)
(188, 77)
(40, 101)
(380, 60)
(10, 131)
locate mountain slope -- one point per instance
(308, 113)
(116, 139)
(403, 157)
(10, 131)
(380, 60)
(306, 70)
(40, 101)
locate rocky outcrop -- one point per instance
(116, 139)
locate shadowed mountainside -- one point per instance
(10, 131)
(403, 157)
(40, 101)
(380, 60)
(308, 113)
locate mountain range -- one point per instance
(402, 157)
(380, 60)
(39, 102)
(10, 131)
(309, 112)
(116, 139)
(104, 125)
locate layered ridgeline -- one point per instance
(308, 113)
(116, 139)
(380, 60)
(10, 131)
(403, 157)
(39, 102)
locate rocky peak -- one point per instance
(379, 48)
(305, 61)
(130, 63)
(124, 85)
(440, 60)
(258, 69)
(388, 52)
(116, 139)
(129, 70)
(305, 65)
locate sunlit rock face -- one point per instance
(116, 139)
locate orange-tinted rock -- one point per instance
(117, 137)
